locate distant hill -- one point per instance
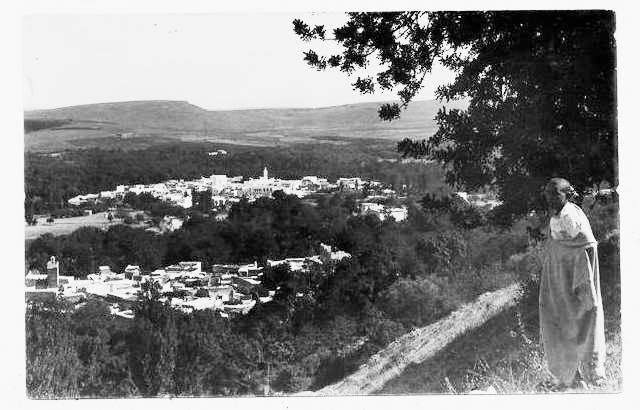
(79, 126)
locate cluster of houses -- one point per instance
(227, 190)
(230, 289)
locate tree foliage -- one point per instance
(540, 85)
(320, 326)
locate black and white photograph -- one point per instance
(253, 204)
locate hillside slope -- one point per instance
(185, 121)
(504, 353)
(422, 344)
(492, 342)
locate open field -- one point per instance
(63, 226)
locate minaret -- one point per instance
(265, 174)
(53, 270)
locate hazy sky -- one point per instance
(216, 61)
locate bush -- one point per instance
(385, 331)
(443, 252)
(291, 379)
(604, 220)
(416, 303)
(202, 293)
(470, 281)
(487, 247)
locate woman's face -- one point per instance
(555, 197)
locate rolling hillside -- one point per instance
(151, 120)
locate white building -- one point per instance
(350, 184)
(138, 189)
(184, 269)
(295, 264)
(313, 183)
(336, 255)
(382, 212)
(399, 214)
(250, 269)
(170, 224)
(218, 182)
(193, 304)
(259, 187)
(371, 207)
(81, 199)
(339, 255)
(132, 272)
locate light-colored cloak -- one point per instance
(571, 315)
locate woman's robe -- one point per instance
(571, 315)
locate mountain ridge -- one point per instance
(261, 126)
(33, 112)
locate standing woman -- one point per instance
(571, 315)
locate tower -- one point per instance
(265, 174)
(52, 272)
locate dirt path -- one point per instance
(421, 344)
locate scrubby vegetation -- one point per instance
(506, 353)
(348, 311)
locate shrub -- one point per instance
(487, 247)
(416, 302)
(202, 293)
(290, 379)
(443, 252)
(604, 219)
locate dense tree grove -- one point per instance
(278, 227)
(541, 87)
(156, 208)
